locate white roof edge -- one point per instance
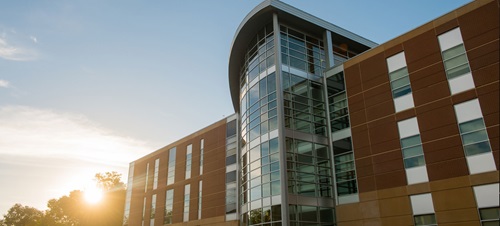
(320, 22)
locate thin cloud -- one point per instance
(15, 53)
(56, 152)
(4, 84)
(28, 131)
(34, 39)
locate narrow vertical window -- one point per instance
(147, 177)
(472, 129)
(169, 203)
(153, 210)
(231, 195)
(202, 143)
(423, 209)
(143, 210)
(199, 198)
(400, 82)
(411, 148)
(155, 179)
(474, 136)
(337, 99)
(455, 61)
(189, 154)
(171, 166)
(187, 189)
(128, 196)
(231, 166)
(345, 169)
(488, 203)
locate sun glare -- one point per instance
(93, 194)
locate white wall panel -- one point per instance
(450, 39)
(422, 204)
(487, 195)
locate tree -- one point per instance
(73, 210)
(19, 215)
(110, 181)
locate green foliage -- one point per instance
(22, 215)
(73, 210)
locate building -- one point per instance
(333, 129)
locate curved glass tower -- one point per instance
(287, 171)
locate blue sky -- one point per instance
(89, 86)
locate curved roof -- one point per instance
(263, 14)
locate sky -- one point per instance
(88, 86)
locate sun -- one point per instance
(93, 194)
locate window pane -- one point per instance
(401, 91)
(326, 215)
(413, 151)
(306, 189)
(414, 161)
(347, 188)
(472, 125)
(276, 212)
(398, 74)
(346, 176)
(344, 167)
(230, 160)
(254, 94)
(475, 137)
(410, 141)
(491, 223)
(477, 148)
(308, 213)
(457, 50)
(400, 82)
(429, 219)
(455, 62)
(489, 214)
(344, 158)
(231, 176)
(460, 70)
(255, 193)
(275, 188)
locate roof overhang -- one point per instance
(260, 16)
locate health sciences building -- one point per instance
(331, 128)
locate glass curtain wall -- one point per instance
(309, 163)
(303, 60)
(309, 166)
(345, 171)
(260, 200)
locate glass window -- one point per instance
(308, 213)
(230, 160)
(202, 143)
(345, 170)
(171, 166)
(231, 128)
(147, 177)
(413, 154)
(455, 61)
(231, 199)
(169, 203)
(187, 190)
(474, 137)
(153, 208)
(428, 219)
(189, 154)
(155, 179)
(400, 82)
(490, 216)
(200, 189)
(231, 176)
